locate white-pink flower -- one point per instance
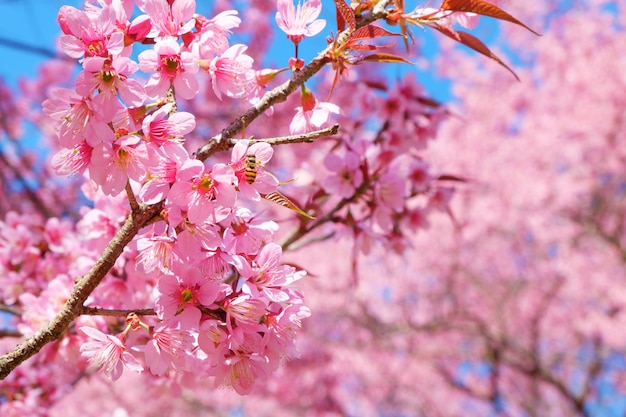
(169, 18)
(213, 33)
(301, 20)
(110, 78)
(347, 174)
(309, 120)
(162, 126)
(231, 72)
(90, 34)
(108, 353)
(168, 349)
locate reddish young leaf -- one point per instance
(371, 32)
(367, 47)
(482, 8)
(472, 42)
(345, 15)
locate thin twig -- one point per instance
(98, 311)
(301, 138)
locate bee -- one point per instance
(251, 168)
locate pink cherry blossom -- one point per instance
(231, 72)
(312, 115)
(204, 194)
(110, 78)
(213, 339)
(169, 66)
(72, 114)
(72, 161)
(113, 164)
(245, 233)
(241, 370)
(108, 353)
(169, 348)
(181, 296)
(301, 20)
(268, 276)
(161, 169)
(169, 18)
(156, 252)
(165, 126)
(212, 36)
(347, 174)
(90, 35)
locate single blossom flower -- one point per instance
(170, 18)
(182, 295)
(108, 353)
(231, 72)
(110, 78)
(169, 66)
(212, 35)
(162, 126)
(245, 233)
(169, 348)
(76, 119)
(312, 115)
(90, 34)
(161, 168)
(112, 164)
(156, 252)
(301, 20)
(204, 194)
(347, 174)
(72, 161)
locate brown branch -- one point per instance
(10, 309)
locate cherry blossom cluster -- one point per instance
(202, 287)
(209, 269)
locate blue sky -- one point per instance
(32, 23)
